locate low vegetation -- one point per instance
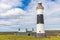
(14, 37)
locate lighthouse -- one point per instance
(40, 21)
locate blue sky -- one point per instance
(16, 14)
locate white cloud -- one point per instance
(52, 7)
(8, 4)
(4, 22)
(12, 18)
(9, 14)
(52, 21)
(12, 2)
(4, 7)
(14, 11)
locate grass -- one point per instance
(14, 37)
(33, 38)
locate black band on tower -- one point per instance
(40, 19)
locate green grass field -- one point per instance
(14, 37)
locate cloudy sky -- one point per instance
(16, 14)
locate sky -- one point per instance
(15, 14)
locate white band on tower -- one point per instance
(39, 11)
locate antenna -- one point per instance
(19, 29)
(26, 30)
(32, 29)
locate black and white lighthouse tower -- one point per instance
(40, 21)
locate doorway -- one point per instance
(29, 34)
